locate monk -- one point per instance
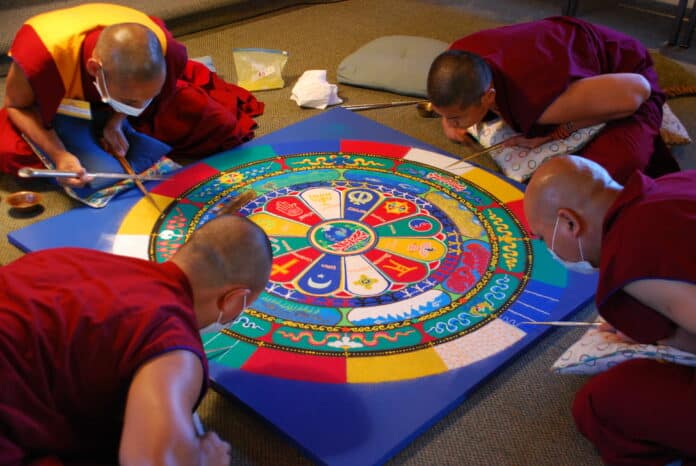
(126, 63)
(547, 79)
(639, 412)
(101, 360)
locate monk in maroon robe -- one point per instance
(129, 64)
(549, 78)
(102, 361)
(640, 412)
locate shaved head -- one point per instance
(570, 182)
(130, 52)
(566, 203)
(458, 78)
(229, 249)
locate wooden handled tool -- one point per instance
(492, 148)
(137, 180)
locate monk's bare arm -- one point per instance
(158, 426)
(598, 99)
(675, 300)
(23, 112)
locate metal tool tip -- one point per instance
(25, 172)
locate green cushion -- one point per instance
(398, 64)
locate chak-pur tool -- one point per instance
(564, 323)
(28, 172)
(358, 107)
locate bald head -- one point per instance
(130, 52)
(569, 182)
(228, 250)
(458, 78)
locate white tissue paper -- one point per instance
(314, 91)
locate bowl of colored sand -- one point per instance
(25, 201)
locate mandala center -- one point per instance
(342, 237)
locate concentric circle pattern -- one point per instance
(385, 267)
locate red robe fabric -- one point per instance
(533, 63)
(196, 113)
(641, 412)
(71, 341)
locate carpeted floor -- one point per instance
(519, 417)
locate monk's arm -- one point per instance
(23, 112)
(598, 99)
(158, 426)
(676, 301)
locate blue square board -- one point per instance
(398, 283)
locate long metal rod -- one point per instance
(564, 323)
(28, 172)
(358, 107)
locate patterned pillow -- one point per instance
(598, 350)
(673, 131)
(519, 163)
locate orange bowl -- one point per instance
(24, 200)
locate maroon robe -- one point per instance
(642, 412)
(646, 235)
(533, 63)
(196, 112)
(71, 342)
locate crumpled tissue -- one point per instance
(314, 91)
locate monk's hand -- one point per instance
(113, 140)
(214, 452)
(528, 143)
(69, 162)
(620, 336)
(453, 133)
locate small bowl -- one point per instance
(24, 201)
(425, 109)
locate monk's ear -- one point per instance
(489, 96)
(570, 223)
(233, 302)
(93, 66)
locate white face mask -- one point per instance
(119, 107)
(581, 266)
(218, 326)
(215, 327)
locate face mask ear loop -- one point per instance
(553, 237)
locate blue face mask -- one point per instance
(119, 107)
(582, 266)
(218, 326)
